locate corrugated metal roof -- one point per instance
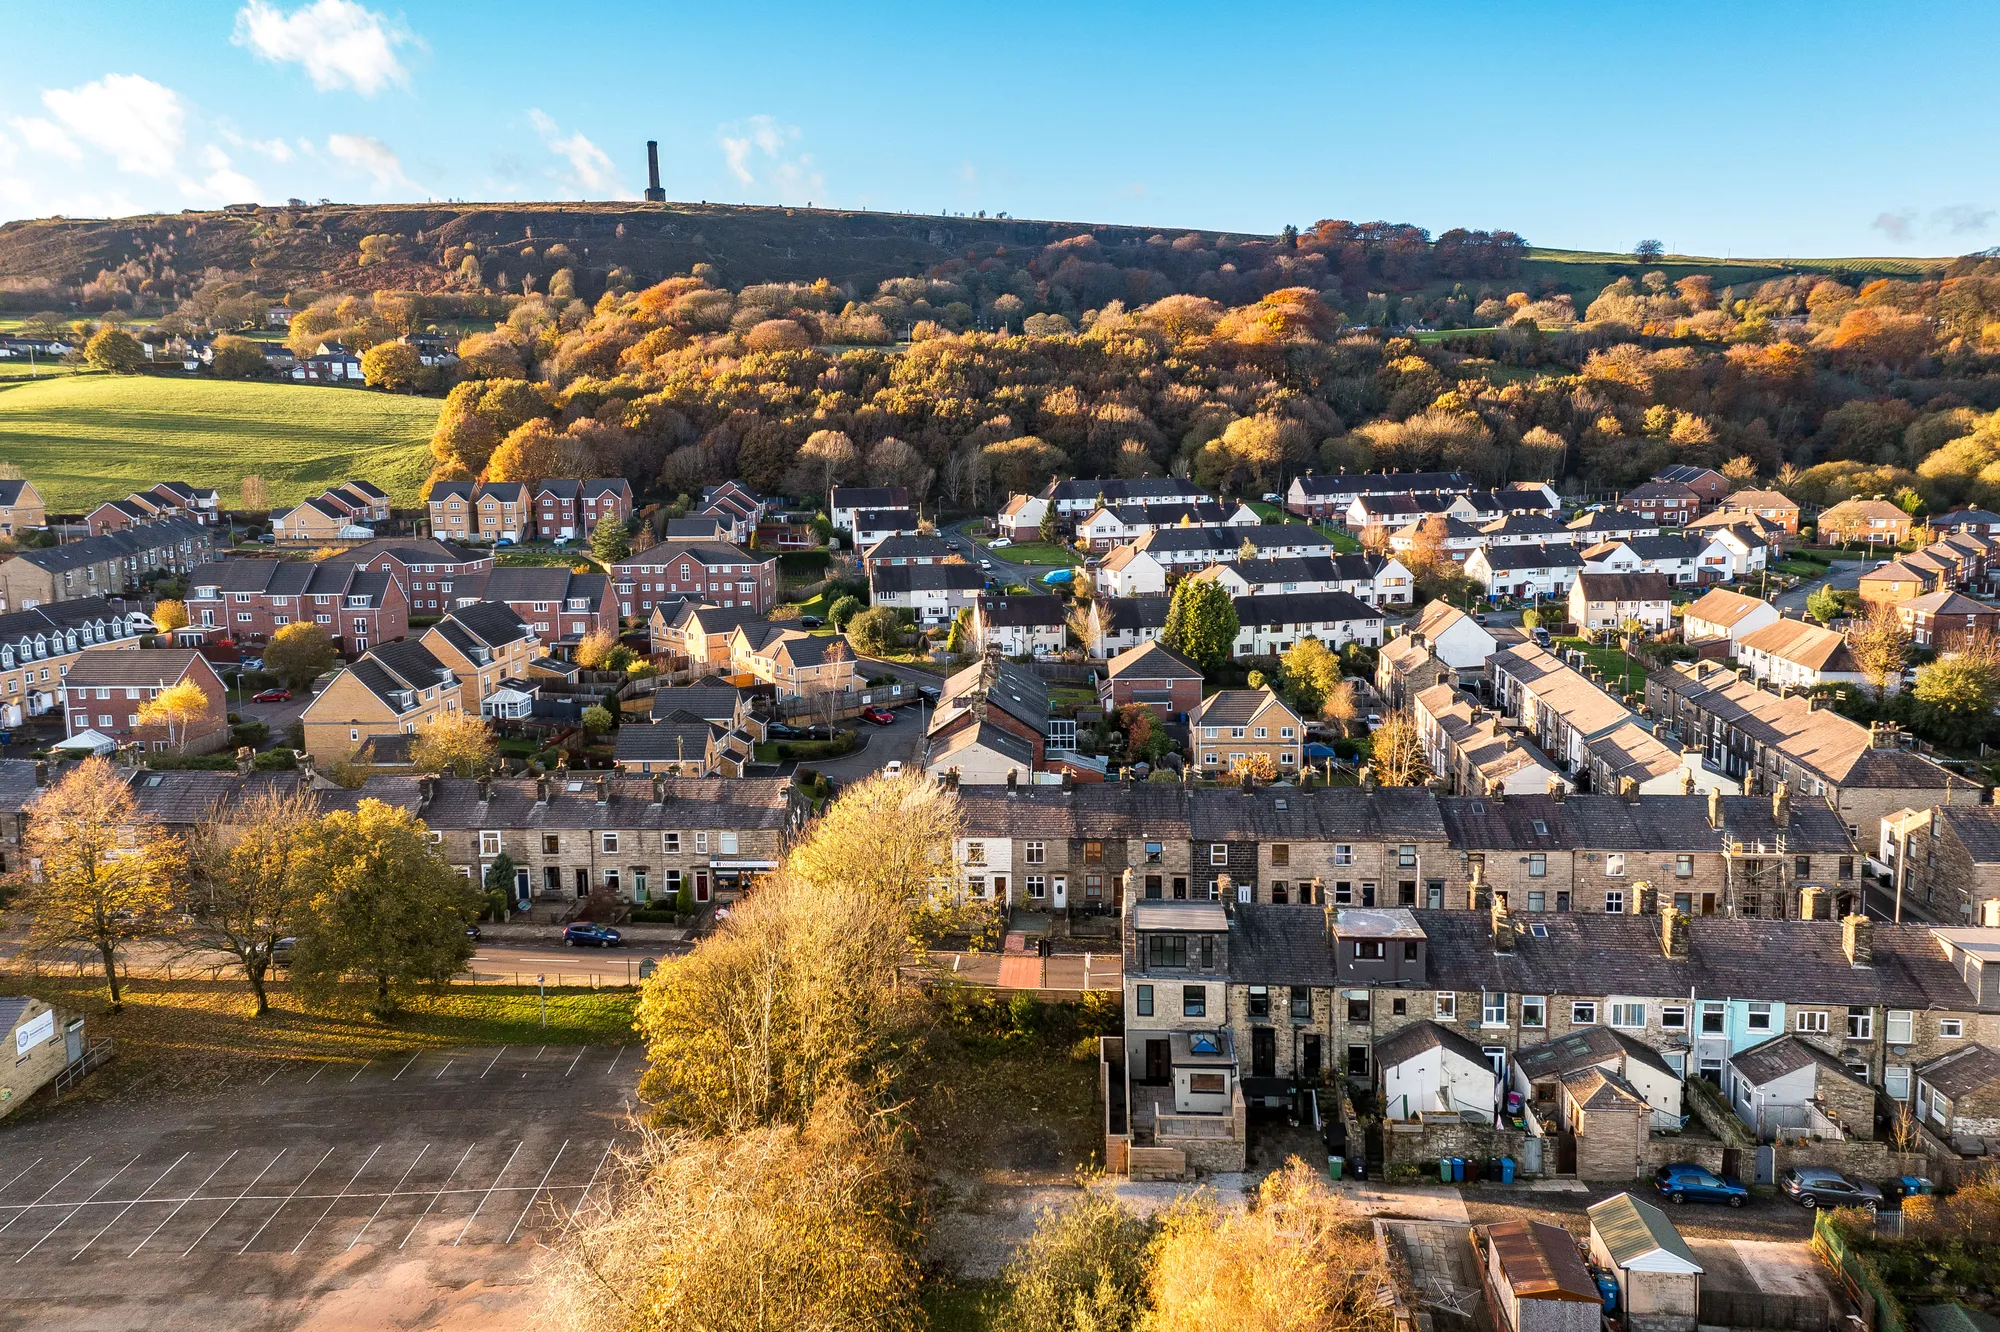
(1540, 1261)
(1638, 1235)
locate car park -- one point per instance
(879, 715)
(272, 696)
(1821, 1186)
(585, 934)
(1685, 1182)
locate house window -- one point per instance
(1218, 853)
(1038, 886)
(1357, 1006)
(1343, 854)
(1951, 1028)
(1093, 853)
(975, 852)
(610, 843)
(1167, 950)
(1142, 1000)
(1757, 1017)
(1035, 853)
(1281, 854)
(670, 843)
(701, 843)
(1260, 1001)
(1302, 1004)
(1154, 850)
(1628, 1015)
(489, 844)
(1534, 1010)
(1614, 903)
(1583, 1012)
(1538, 901)
(1674, 1017)
(1860, 1024)
(1902, 1026)
(1207, 952)
(1493, 1009)
(1847, 867)
(1447, 1004)
(726, 843)
(1614, 865)
(1811, 1021)
(1538, 865)
(1194, 1001)
(1406, 857)
(1684, 867)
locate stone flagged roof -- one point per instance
(1967, 1069)
(1773, 1059)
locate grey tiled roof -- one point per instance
(676, 736)
(1626, 586)
(908, 548)
(1331, 484)
(699, 802)
(1303, 608)
(1236, 707)
(1131, 613)
(122, 666)
(1327, 813)
(1965, 1069)
(1281, 945)
(118, 545)
(1781, 1055)
(1156, 811)
(1977, 828)
(927, 578)
(1151, 661)
(1421, 1036)
(1581, 1049)
(710, 699)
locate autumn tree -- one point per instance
(875, 631)
(1880, 645)
(1201, 622)
(826, 457)
(457, 744)
(381, 904)
(179, 707)
(237, 358)
(1084, 1267)
(249, 882)
(1397, 754)
(1020, 466)
(1312, 673)
(594, 648)
(533, 450)
(102, 872)
(392, 366)
(299, 653)
(170, 615)
(1253, 768)
(1428, 555)
(1340, 706)
(115, 350)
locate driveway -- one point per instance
(1843, 575)
(899, 741)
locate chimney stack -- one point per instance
(246, 760)
(1476, 897)
(1645, 898)
(1068, 781)
(1673, 931)
(485, 789)
(603, 788)
(951, 778)
(1013, 778)
(1628, 789)
(41, 772)
(1503, 926)
(1687, 780)
(1857, 937)
(1781, 807)
(659, 788)
(1714, 808)
(1813, 903)
(542, 789)
(654, 194)
(1557, 791)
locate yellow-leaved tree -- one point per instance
(455, 744)
(180, 707)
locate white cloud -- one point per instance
(45, 137)
(340, 44)
(755, 151)
(591, 171)
(1963, 219)
(134, 119)
(275, 149)
(372, 156)
(1896, 226)
(223, 181)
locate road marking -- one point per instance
(336, 1201)
(537, 1191)
(496, 1059)
(233, 1201)
(17, 1179)
(406, 1068)
(281, 1206)
(273, 1073)
(608, 1069)
(364, 1064)
(489, 1193)
(183, 1203)
(316, 1072)
(129, 1206)
(574, 1062)
(447, 1068)
(591, 1183)
(80, 1206)
(435, 1196)
(22, 1208)
(385, 1199)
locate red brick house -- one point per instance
(714, 571)
(560, 606)
(249, 600)
(106, 687)
(424, 567)
(1667, 503)
(1937, 618)
(1150, 674)
(123, 515)
(1706, 482)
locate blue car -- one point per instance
(1055, 576)
(1680, 1183)
(584, 934)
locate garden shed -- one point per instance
(1659, 1281)
(1535, 1279)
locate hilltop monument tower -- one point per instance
(654, 194)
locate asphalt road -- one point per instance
(1003, 571)
(563, 965)
(1842, 575)
(899, 741)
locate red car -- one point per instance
(272, 696)
(880, 716)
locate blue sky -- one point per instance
(1764, 129)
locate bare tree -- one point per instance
(248, 886)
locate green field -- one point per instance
(84, 439)
(1035, 552)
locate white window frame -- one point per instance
(1583, 1013)
(1628, 1016)
(1809, 1021)
(1447, 1005)
(1905, 1020)
(1951, 1029)
(1492, 1014)
(1534, 1010)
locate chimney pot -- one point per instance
(1674, 928)
(1503, 926)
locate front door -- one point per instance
(582, 884)
(1368, 894)
(1159, 1068)
(1263, 1052)
(1309, 1058)
(1059, 890)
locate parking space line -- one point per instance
(336, 1201)
(22, 1208)
(80, 1206)
(183, 1203)
(130, 1205)
(17, 1179)
(274, 1073)
(385, 1199)
(233, 1201)
(489, 1193)
(496, 1059)
(446, 1069)
(536, 1192)
(590, 1183)
(364, 1064)
(574, 1062)
(315, 1073)
(281, 1206)
(613, 1065)
(435, 1196)
(406, 1068)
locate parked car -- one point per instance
(252, 663)
(879, 715)
(810, 622)
(929, 693)
(1541, 636)
(998, 542)
(780, 731)
(1683, 1181)
(893, 768)
(1819, 1186)
(472, 931)
(503, 541)
(986, 564)
(272, 696)
(267, 540)
(585, 934)
(281, 951)
(1272, 497)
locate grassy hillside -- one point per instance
(83, 439)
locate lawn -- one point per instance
(1612, 661)
(1343, 542)
(175, 1035)
(83, 439)
(536, 556)
(1035, 552)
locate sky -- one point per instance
(1768, 129)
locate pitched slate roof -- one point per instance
(1602, 1089)
(123, 666)
(1303, 608)
(868, 497)
(1977, 828)
(980, 735)
(1418, 1037)
(998, 683)
(1029, 612)
(698, 528)
(1150, 661)
(1321, 813)
(1503, 558)
(1239, 707)
(10, 491)
(701, 552)
(1133, 613)
(1784, 1054)
(1721, 606)
(908, 547)
(699, 802)
(116, 545)
(927, 578)
(1586, 1048)
(1096, 810)
(1336, 484)
(1802, 644)
(1966, 1069)
(1116, 489)
(677, 736)
(710, 699)
(1625, 586)
(1947, 602)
